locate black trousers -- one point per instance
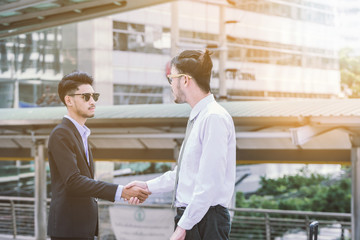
(215, 225)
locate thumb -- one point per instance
(130, 185)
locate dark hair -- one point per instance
(197, 64)
(71, 82)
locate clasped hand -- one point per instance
(135, 192)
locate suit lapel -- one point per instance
(91, 161)
(80, 143)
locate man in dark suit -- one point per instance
(73, 209)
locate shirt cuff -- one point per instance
(151, 184)
(186, 224)
(118, 193)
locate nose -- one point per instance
(91, 100)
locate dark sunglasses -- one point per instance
(87, 96)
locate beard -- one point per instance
(86, 114)
(179, 97)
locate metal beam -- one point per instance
(15, 152)
(10, 7)
(301, 135)
(55, 11)
(101, 10)
(309, 156)
(239, 135)
(69, 16)
(243, 156)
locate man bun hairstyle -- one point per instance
(71, 82)
(197, 64)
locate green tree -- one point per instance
(350, 73)
(304, 191)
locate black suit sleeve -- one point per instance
(66, 154)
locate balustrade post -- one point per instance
(13, 214)
(267, 225)
(40, 191)
(307, 225)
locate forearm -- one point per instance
(163, 183)
(80, 185)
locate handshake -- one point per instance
(135, 192)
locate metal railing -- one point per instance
(264, 224)
(17, 219)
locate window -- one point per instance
(137, 94)
(141, 38)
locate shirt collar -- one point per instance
(83, 130)
(201, 105)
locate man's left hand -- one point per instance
(179, 234)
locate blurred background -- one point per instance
(263, 50)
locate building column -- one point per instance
(88, 47)
(175, 33)
(355, 196)
(222, 54)
(40, 191)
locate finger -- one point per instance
(131, 200)
(143, 191)
(142, 196)
(135, 201)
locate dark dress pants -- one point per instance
(215, 225)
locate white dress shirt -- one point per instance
(207, 173)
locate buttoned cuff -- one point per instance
(118, 193)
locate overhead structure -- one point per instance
(23, 16)
(302, 131)
(307, 131)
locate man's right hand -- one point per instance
(135, 200)
(138, 184)
(135, 191)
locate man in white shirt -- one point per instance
(204, 178)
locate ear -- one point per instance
(68, 100)
(186, 82)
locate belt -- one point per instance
(182, 209)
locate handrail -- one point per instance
(17, 218)
(291, 212)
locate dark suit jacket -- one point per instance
(73, 209)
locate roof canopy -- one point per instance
(267, 131)
(22, 16)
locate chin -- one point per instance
(178, 101)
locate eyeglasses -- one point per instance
(87, 96)
(171, 76)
